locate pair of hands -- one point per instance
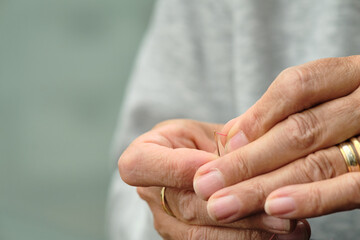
(281, 158)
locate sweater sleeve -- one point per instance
(183, 70)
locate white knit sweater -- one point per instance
(211, 60)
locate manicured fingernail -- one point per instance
(301, 232)
(237, 141)
(280, 206)
(223, 207)
(276, 224)
(209, 183)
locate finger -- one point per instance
(299, 135)
(171, 228)
(248, 197)
(315, 199)
(190, 209)
(296, 89)
(178, 133)
(154, 165)
(302, 231)
(169, 155)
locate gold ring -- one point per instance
(356, 145)
(164, 203)
(351, 155)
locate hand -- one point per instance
(169, 155)
(191, 220)
(287, 138)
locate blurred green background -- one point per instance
(63, 68)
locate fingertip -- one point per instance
(234, 129)
(237, 141)
(302, 232)
(280, 207)
(228, 126)
(223, 209)
(208, 183)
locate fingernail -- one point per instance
(306, 226)
(223, 207)
(280, 206)
(277, 224)
(301, 232)
(237, 141)
(209, 183)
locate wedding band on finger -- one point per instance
(356, 144)
(164, 203)
(350, 152)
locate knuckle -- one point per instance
(354, 184)
(181, 170)
(356, 105)
(349, 105)
(186, 207)
(196, 233)
(348, 66)
(253, 127)
(241, 167)
(257, 235)
(316, 200)
(352, 63)
(296, 74)
(317, 166)
(302, 130)
(169, 122)
(260, 195)
(149, 194)
(294, 82)
(161, 229)
(204, 233)
(291, 73)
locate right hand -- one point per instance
(192, 222)
(169, 156)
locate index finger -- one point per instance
(296, 89)
(189, 208)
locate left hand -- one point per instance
(291, 131)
